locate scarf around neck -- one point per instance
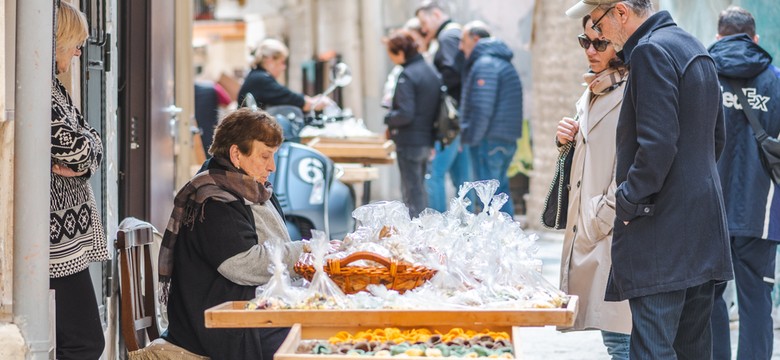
(605, 81)
(225, 184)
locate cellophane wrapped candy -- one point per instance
(322, 292)
(277, 293)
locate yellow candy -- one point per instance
(413, 352)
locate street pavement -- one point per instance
(549, 344)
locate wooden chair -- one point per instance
(138, 318)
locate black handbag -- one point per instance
(769, 147)
(556, 205)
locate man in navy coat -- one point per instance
(491, 106)
(670, 244)
(752, 200)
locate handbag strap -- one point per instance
(750, 113)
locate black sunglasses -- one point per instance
(596, 26)
(598, 44)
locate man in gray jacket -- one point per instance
(491, 106)
(670, 244)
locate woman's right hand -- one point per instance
(567, 130)
(319, 102)
(65, 171)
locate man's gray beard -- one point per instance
(620, 40)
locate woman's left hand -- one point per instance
(335, 245)
(65, 171)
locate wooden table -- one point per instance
(233, 315)
(365, 151)
(321, 324)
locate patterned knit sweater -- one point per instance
(76, 231)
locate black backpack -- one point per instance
(446, 126)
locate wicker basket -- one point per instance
(398, 276)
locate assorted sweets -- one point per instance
(393, 342)
(459, 247)
(315, 301)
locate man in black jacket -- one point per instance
(752, 206)
(444, 37)
(670, 244)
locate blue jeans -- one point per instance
(450, 160)
(673, 325)
(412, 161)
(491, 161)
(754, 262)
(617, 344)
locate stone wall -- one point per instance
(6, 180)
(558, 64)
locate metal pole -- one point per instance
(32, 149)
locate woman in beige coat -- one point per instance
(585, 263)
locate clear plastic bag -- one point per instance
(322, 292)
(277, 293)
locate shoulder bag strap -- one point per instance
(758, 130)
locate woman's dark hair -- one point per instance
(242, 127)
(615, 62)
(585, 20)
(401, 40)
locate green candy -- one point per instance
(480, 350)
(399, 349)
(321, 349)
(505, 349)
(445, 350)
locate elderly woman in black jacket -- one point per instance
(214, 249)
(410, 120)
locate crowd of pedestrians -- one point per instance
(477, 72)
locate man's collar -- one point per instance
(656, 21)
(442, 26)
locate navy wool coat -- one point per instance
(669, 137)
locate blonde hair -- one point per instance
(269, 49)
(72, 28)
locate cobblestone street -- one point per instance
(549, 344)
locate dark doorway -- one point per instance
(146, 96)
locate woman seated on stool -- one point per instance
(213, 249)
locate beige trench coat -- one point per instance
(586, 259)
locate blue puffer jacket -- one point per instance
(492, 95)
(752, 199)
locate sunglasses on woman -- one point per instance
(598, 44)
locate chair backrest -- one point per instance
(138, 320)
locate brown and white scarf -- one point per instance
(607, 80)
(214, 184)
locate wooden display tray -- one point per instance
(360, 150)
(233, 315)
(299, 332)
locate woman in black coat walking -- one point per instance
(411, 116)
